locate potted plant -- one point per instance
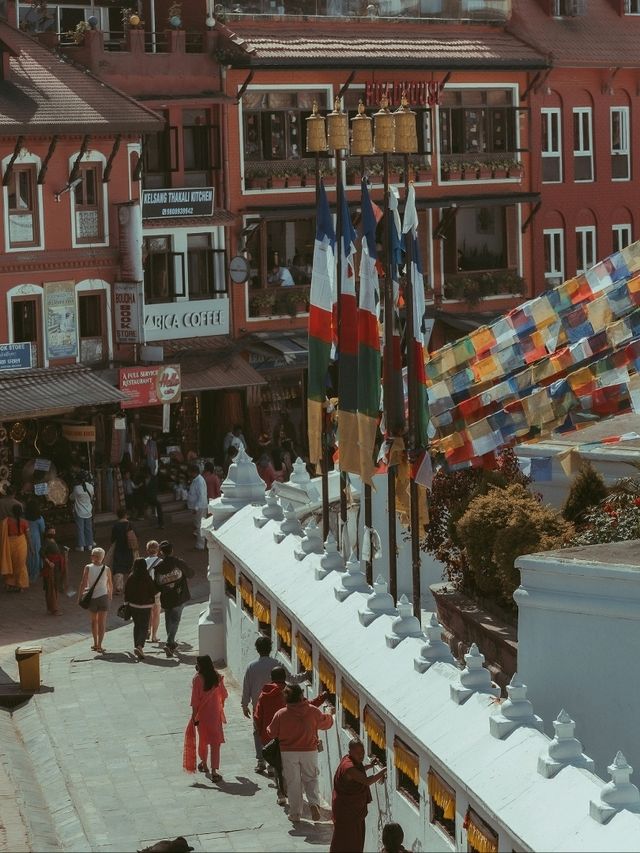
(298, 301)
(516, 169)
(451, 170)
(262, 304)
(77, 35)
(278, 178)
(255, 178)
(294, 175)
(396, 175)
(500, 169)
(469, 170)
(329, 176)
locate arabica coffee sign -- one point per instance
(186, 319)
(150, 386)
(170, 203)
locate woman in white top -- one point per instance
(102, 594)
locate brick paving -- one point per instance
(94, 762)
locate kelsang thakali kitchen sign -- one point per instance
(170, 203)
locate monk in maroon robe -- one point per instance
(350, 800)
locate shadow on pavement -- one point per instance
(242, 788)
(312, 833)
(154, 661)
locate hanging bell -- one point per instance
(384, 128)
(316, 137)
(337, 128)
(406, 131)
(361, 138)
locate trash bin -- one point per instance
(28, 658)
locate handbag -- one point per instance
(271, 753)
(85, 600)
(124, 611)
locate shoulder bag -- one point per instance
(271, 753)
(85, 600)
(124, 611)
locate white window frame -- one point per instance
(632, 7)
(621, 236)
(90, 157)
(624, 149)
(24, 158)
(583, 232)
(584, 150)
(554, 116)
(556, 236)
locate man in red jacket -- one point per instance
(296, 727)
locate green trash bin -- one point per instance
(28, 658)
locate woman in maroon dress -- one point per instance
(351, 797)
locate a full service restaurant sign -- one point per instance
(150, 385)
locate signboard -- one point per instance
(15, 356)
(60, 317)
(128, 306)
(420, 93)
(150, 386)
(79, 433)
(186, 319)
(42, 465)
(41, 488)
(184, 201)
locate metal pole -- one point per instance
(325, 418)
(414, 492)
(339, 196)
(389, 390)
(368, 522)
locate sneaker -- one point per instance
(168, 650)
(138, 653)
(261, 766)
(315, 812)
(271, 772)
(282, 800)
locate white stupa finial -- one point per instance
(514, 712)
(331, 560)
(404, 625)
(474, 678)
(353, 579)
(311, 542)
(435, 649)
(618, 794)
(379, 603)
(290, 524)
(563, 750)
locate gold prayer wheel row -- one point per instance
(393, 132)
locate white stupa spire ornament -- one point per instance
(381, 602)
(404, 625)
(353, 579)
(618, 794)
(241, 487)
(563, 750)
(514, 712)
(331, 560)
(290, 524)
(270, 511)
(299, 475)
(435, 649)
(311, 542)
(474, 678)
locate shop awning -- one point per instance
(278, 352)
(467, 321)
(232, 372)
(44, 392)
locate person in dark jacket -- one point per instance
(140, 594)
(171, 575)
(150, 494)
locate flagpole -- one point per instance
(324, 473)
(339, 230)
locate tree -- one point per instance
(587, 491)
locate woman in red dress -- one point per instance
(208, 695)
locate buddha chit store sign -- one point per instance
(150, 386)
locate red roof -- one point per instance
(396, 45)
(598, 38)
(46, 93)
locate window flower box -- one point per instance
(451, 170)
(262, 304)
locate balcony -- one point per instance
(484, 167)
(383, 10)
(474, 286)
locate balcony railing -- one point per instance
(484, 10)
(472, 287)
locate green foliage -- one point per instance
(615, 519)
(500, 526)
(587, 491)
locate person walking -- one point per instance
(122, 539)
(140, 595)
(296, 727)
(34, 519)
(212, 480)
(208, 695)
(197, 502)
(153, 557)
(97, 572)
(256, 676)
(171, 575)
(150, 497)
(19, 546)
(350, 799)
(82, 496)
(53, 570)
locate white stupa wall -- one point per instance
(578, 629)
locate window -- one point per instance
(159, 152)
(205, 267)
(198, 138)
(632, 7)
(246, 595)
(350, 702)
(92, 327)
(582, 145)
(553, 256)
(273, 123)
(283, 630)
(303, 650)
(375, 729)
(88, 204)
(585, 248)
(568, 8)
(621, 237)
(551, 146)
(163, 270)
(327, 679)
(25, 314)
(477, 122)
(407, 766)
(262, 612)
(22, 207)
(291, 240)
(442, 804)
(620, 144)
(480, 837)
(229, 575)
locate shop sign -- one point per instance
(42, 465)
(79, 433)
(41, 489)
(184, 201)
(60, 315)
(15, 356)
(150, 386)
(128, 300)
(420, 93)
(186, 319)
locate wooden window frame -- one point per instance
(369, 716)
(437, 814)
(98, 206)
(39, 342)
(31, 169)
(350, 720)
(478, 830)
(245, 585)
(283, 623)
(262, 607)
(304, 649)
(327, 679)
(101, 295)
(230, 589)
(407, 784)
